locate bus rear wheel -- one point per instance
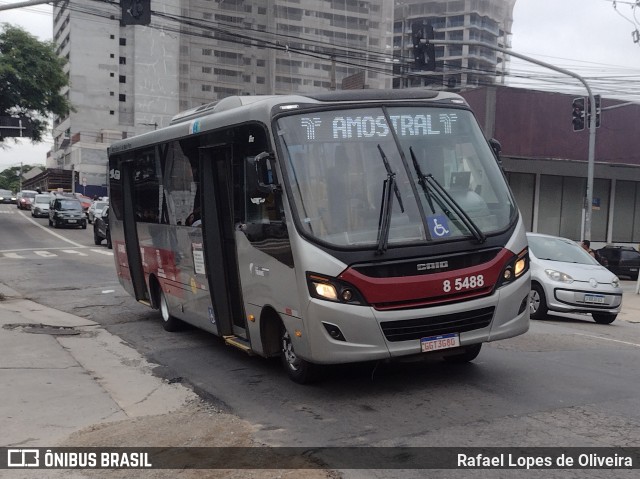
(169, 323)
(299, 370)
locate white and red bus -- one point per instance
(327, 228)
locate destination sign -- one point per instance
(346, 127)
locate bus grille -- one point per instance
(417, 328)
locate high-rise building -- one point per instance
(456, 66)
(128, 79)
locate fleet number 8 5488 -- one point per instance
(459, 284)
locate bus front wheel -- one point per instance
(169, 323)
(299, 370)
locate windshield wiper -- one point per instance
(432, 186)
(384, 222)
(422, 180)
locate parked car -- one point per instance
(6, 196)
(95, 210)
(24, 199)
(621, 260)
(40, 206)
(101, 228)
(567, 279)
(66, 211)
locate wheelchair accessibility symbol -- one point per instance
(438, 226)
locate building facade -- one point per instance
(546, 162)
(456, 66)
(126, 80)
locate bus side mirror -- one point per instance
(264, 174)
(497, 148)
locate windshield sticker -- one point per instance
(198, 258)
(438, 226)
(358, 127)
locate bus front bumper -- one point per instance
(339, 333)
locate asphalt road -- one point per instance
(567, 382)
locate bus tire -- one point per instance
(604, 318)
(299, 370)
(537, 302)
(469, 353)
(169, 323)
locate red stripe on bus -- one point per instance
(429, 289)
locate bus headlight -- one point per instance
(333, 289)
(515, 268)
(326, 290)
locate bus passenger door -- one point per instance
(131, 234)
(220, 254)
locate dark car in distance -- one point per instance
(66, 211)
(620, 260)
(101, 228)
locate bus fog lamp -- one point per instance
(347, 295)
(507, 274)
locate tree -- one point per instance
(32, 76)
(10, 178)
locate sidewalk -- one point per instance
(70, 374)
(630, 303)
(67, 382)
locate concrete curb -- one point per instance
(62, 373)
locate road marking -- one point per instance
(101, 251)
(13, 255)
(46, 254)
(72, 251)
(34, 249)
(44, 228)
(608, 339)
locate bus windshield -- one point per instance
(446, 183)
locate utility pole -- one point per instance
(586, 234)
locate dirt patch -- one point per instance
(195, 425)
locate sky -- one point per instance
(589, 37)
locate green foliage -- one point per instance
(10, 178)
(32, 76)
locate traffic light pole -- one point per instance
(586, 232)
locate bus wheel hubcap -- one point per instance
(289, 353)
(164, 309)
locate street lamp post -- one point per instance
(586, 233)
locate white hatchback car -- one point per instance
(567, 279)
(95, 210)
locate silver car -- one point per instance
(95, 210)
(40, 206)
(567, 279)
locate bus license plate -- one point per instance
(594, 298)
(443, 341)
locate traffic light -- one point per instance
(578, 114)
(598, 110)
(424, 51)
(135, 12)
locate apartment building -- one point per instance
(125, 80)
(457, 66)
